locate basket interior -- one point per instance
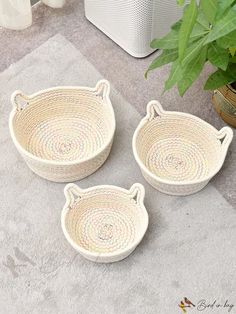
(64, 125)
(178, 148)
(104, 222)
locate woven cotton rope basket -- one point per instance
(64, 133)
(178, 153)
(104, 223)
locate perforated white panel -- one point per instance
(132, 24)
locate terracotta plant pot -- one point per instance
(224, 100)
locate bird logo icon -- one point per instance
(185, 303)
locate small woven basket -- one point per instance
(64, 133)
(104, 223)
(178, 153)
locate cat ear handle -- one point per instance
(137, 192)
(103, 89)
(154, 109)
(72, 193)
(19, 100)
(225, 135)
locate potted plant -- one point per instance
(205, 33)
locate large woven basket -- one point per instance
(104, 223)
(178, 153)
(64, 133)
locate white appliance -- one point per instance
(132, 24)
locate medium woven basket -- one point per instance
(104, 223)
(178, 153)
(64, 133)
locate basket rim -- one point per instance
(155, 177)
(131, 247)
(109, 140)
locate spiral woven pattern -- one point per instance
(180, 151)
(65, 125)
(177, 160)
(66, 139)
(104, 222)
(178, 148)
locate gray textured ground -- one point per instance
(189, 249)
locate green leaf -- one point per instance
(223, 26)
(192, 71)
(176, 26)
(175, 75)
(170, 41)
(167, 56)
(233, 59)
(201, 19)
(232, 51)
(189, 19)
(192, 51)
(232, 69)
(181, 2)
(218, 56)
(198, 31)
(221, 78)
(209, 8)
(223, 5)
(228, 40)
